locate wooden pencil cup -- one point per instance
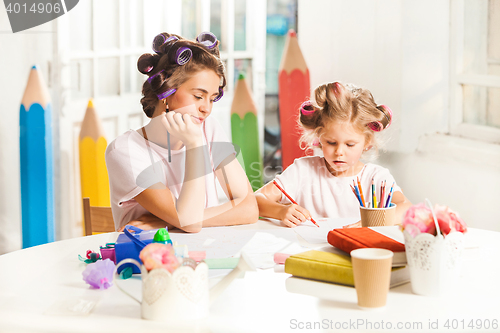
(378, 217)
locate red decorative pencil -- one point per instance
(290, 198)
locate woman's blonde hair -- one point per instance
(342, 103)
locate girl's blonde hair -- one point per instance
(342, 103)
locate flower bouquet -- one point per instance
(434, 243)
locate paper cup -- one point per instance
(372, 276)
(378, 217)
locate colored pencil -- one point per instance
(382, 194)
(361, 191)
(356, 193)
(93, 172)
(294, 89)
(374, 196)
(389, 198)
(37, 165)
(245, 132)
(290, 198)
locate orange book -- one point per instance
(294, 89)
(348, 239)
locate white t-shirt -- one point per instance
(313, 187)
(133, 166)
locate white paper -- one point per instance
(262, 247)
(314, 235)
(217, 242)
(392, 232)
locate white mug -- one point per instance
(181, 295)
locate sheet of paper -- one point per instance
(392, 232)
(217, 242)
(262, 247)
(315, 235)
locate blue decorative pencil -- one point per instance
(37, 175)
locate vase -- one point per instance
(434, 262)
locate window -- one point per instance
(475, 69)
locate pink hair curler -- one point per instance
(375, 126)
(315, 142)
(387, 113)
(307, 109)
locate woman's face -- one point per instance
(195, 96)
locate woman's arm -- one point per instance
(242, 207)
(268, 198)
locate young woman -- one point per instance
(164, 173)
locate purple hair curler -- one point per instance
(219, 96)
(165, 94)
(171, 39)
(158, 41)
(207, 39)
(307, 109)
(183, 55)
(155, 75)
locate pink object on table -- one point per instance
(197, 255)
(108, 253)
(280, 258)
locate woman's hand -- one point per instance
(182, 127)
(354, 225)
(293, 215)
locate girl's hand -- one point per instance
(182, 127)
(293, 215)
(354, 225)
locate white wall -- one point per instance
(399, 50)
(18, 53)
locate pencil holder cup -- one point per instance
(434, 262)
(377, 217)
(167, 297)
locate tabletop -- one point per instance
(38, 283)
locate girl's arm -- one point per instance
(268, 198)
(402, 205)
(242, 207)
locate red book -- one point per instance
(348, 239)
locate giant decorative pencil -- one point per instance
(93, 172)
(36, 152)
(294, 88)
(245, 132)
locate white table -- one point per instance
(34, 280)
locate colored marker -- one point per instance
(290, 198)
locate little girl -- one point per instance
(164, 173)
(342, 121)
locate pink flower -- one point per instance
(448, 220)
(158, 255)
(420, 217)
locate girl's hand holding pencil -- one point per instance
(294, 215)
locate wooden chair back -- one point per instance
(97, 219)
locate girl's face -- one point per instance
(342, 147)
(195, 96)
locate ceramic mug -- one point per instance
(181, 295)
